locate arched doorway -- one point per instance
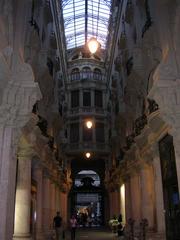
(87, 199)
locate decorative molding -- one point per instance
(153, 106)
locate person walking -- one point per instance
(120, 229)
(57, 225)
(73, 225)
(120, 218)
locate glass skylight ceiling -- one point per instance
(84, 19)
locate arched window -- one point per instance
(97, 74)
(87, 174)
(86, 73)
(75, 74)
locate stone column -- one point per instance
(39, 179)
(20, 88)
(147, 195)
(80, 131)
(66, 207)
(93, 98)
(111, 205)
(136, 197)
(103, 99)
(57, 198)
(52, 203)
(128, 210)
(23, 197)
(106, 209)
(63, 206)
(80, 98)
(94, 130)
(160, 216)
(128, 207)
(106, 131)
(69, 102)
(122, 199)
(116, 202)
(8, 162)
(46, 205)
(61, 203)
(176, 143)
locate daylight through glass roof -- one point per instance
(84, 19)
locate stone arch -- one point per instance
(86, 72)
(78, 165)
(87, 173)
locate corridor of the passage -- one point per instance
(93, 234)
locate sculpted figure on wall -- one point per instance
(6, 31)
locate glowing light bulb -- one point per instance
(89, 124)
(88, 155)
(93, 45)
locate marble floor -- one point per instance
(93, 234)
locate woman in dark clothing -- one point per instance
(120, 230)
(57, 224)
(120, 226)
(120, 218)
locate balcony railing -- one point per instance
(91, 146)
(77, 76)
(87, 110)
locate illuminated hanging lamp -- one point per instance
(93, 45)
(89, 124)
(88, 155)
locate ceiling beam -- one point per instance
(86, 19)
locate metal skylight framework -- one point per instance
(84, 19)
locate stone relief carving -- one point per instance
(14, 107)
(166, 70)
(6, 31)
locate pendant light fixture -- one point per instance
(93, 45)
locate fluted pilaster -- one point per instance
(39, 179)
(23, 197)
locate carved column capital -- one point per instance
(25, 153)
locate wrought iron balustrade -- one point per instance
(89, 110)
(88, 75)
(92, 146)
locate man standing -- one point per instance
(57, 224)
